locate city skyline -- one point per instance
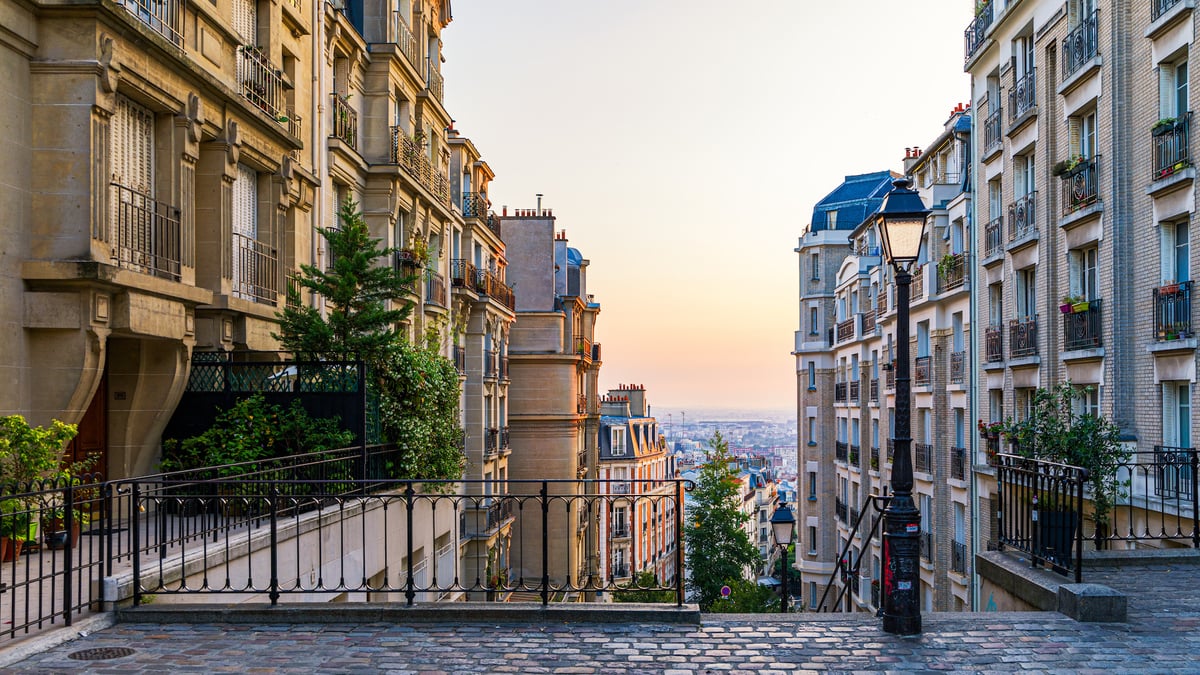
(725, 192)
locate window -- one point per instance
(136, 243)
(1177, 414)
(812, 594)
(1023, 402)
(995, 405)
(1023, 168)
(245, 233)
(1086, 400)
(1175, 252)
(815, 266)
(995, 199)
(1027, 292)
(618, 441)
(1084, 277)
(959, 428)
(245, 21)
(1023, 56)
(812, 376)
(1087, 135)
(812, 431)
(812, 486)
(922, 338)
(1173, 88)
(995, 304)
(814, 325)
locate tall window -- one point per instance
(812, 431)
(245, 231)
(1173, 88)
(995, 405)
(1087, 400)
(618, 441)
(1027, 292)
(1176, 251)
(959, 428)
(1023, 166)
(812, 375)
(995, 304)
(995, 199)
(131, 195)
(814, 263)
(1083, 273)
(814, 325)
(1177, 414)
(812, 486)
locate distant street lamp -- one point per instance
(901, 223)
(783, 523)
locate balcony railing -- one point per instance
(977, 28)
(489, 284)
(403, 37)
(583, 347)
(462, 273)
(993, 236)
(620, 531)
(841, 451)
(261, 81)
(292, 289)
(581, 404)
(1022, 337)
(873, 388)
(1160, 7)
(475, 205)
(853, 456)
(918, 282)
(164, 17)
(345, 121)
(958, 367)
(409, 153)
(927, 545)
(504, 367)
(891, 449)
(958, 463)
(1080, 185)
(889, 377)
(295, 126)
(1175, 472)
(868, 322)
(434, 80)
(1172, 311)
(839, 392)
(958, 558)
(1021, 220)
(489, 363)
(845, 330)
(1081, 330)
(855, 390)
(840, 510)
(993, 130)
(923, 371)
(460, 359)
(1172, 145)
(1023, 96)
(255, 268)
(435, 288)
(993, 337)
(952, 272)
(874, 458)
(1079, 46)
(144, 234)
(922, 457)
(491, 443)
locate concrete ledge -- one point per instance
(399, 613)
(1092, 602)
(1141, 556)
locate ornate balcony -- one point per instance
(261, 82)
(345, 121)
(1079, 46)
(255, 268)
(403, 37)
(958, 463)
(1172, 145)
(475, 205)
(978, 28)
(922, 457)
(1022, 337)
(952, 272)
(1082, 330)
(993, 337)
(1080, 185)
(462, 273)
(1172, 311)
(409, 153)
(993, 237)
(923, 371)
(958, 367)
(583, 347)
(144, 234)
(433, 80)
(1023, 96)
(845, 330)
(993, 131)
(163, 16)
(435, 288)
(1021, 219)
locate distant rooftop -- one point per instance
(851, 202)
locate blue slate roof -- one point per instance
(574, 257)
(855, 199)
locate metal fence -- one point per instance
(1041, 511)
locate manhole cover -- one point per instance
(100, 653)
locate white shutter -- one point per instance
(1170, 409)
(245, 20)
(131, 161)
(245, 223)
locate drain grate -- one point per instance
(100, 653)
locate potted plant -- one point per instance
(1067, 302)
(946, 265)
(1168, 286)
(54, 526)
(1162, 126)
(17, 526)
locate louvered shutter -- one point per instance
(245, 20)
(1170, 411)
(131, 159)
(245, 229)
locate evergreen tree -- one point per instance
(718, 549)
(358, 323)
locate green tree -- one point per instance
(746, 597)
(419, 395)
(357, 286)
(718, 548)
(644, 588)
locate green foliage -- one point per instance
(16, 520)
(643, 589)
(419, 395)
(746, 597)
(1056, 433)
(357, 287)
(250, 431)
(718, 549)
(33, 453)
(784, 563)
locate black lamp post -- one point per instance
(901, 222)
(783, 523)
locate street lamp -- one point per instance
(783, 523)
(901, 222)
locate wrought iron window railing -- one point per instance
(855, 390)
(993, 130)
(993, 236)
(874, 390)
(1172, 145)
(1022, 337)
(952, 272)
(255, 270)
(435, 288)
(958, 557)
(841, 451)
(1160, 7)
(474, 205)
(840, 511)
(1023, 97)
(1172, 311)
(403, 37)
(261, 81)
(874, 458)
(917, 289)
(1021, 216)
(345, 121)
(462, 273)
(922, 457)
(993, 337)
(958, 463)
(460, 359)
(1079, 46)
(163, 16)
(926, 545)
(1175, 473)
(1082, 329)
(1081, 185)
(923, 371)
(144, 234)
(958, 367)
(853, 456)
(434, 80)
(409, 153)
(978, 28)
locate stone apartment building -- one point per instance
(1086, 195)
(637, 524)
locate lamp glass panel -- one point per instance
(783, 533)
(902, 238)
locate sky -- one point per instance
(682, 145)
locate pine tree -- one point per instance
(356, 287)
(718, 548)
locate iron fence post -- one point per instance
(274, 506)
(136, 544)
(106, 492)
(1083, 476)
(362, 397)
(409, 594)
(68, 521)
(545, 545)
(1195, 504)
(678, 543)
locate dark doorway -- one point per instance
(92, 439)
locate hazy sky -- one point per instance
(682, 145)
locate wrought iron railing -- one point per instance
(993, 130)
(475, 205)
(581, 406)
(918, 282)
(460, 359)
(952, 272)
(844, 580)
(874, 458)
(1040, 509)
(840, 390)
(1172, 145)
(434, 80)
(1174, 473)
(891, 449)
(1081, 185)
(926, 545)
(958, 367)
(462, 273)
(1172, 311)
(845, 330)
(1079, 46)
(1021, 216)
(1083, 329)
(853, 456)
(261, 81)
(403, 37)
(923, 371)
(409, 153)
(435, 288)
(889, 376)
(922, 457)
(839, 510)
(345, 121)
(487, 283)
(255, 270)
(855, 390)
(958, 463)
(841, 451)
(978, 28)
(958, 557)
(165, 16)
(292, 289)
(144, 234)
(993, 338)
(295, 127)
(583, 347)
(1023, 97)
(1022, 337)
(993, 236)
(874, 390)
(489, 363)
(1160, 7)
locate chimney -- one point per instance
(911, 155)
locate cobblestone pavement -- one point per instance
(980, 643)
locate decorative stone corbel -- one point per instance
(233, 141)
(110, 72)
(195, 117)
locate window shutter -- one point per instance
(1170, 409)
(245, 20)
